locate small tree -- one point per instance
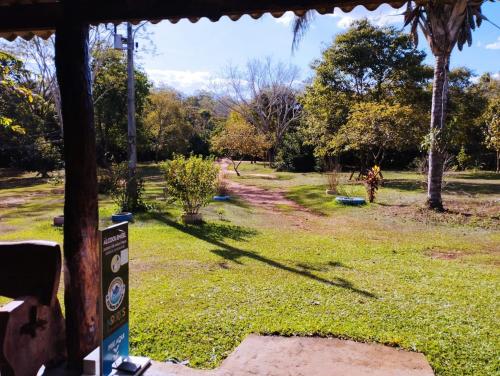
(191, 181)
(492, 120)
(239, 139)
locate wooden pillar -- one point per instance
(81, 273)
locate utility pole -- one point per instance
(132, 131)
(132, 183)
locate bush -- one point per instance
(463, 159)
(191, 181)
(118, 180)
(349, 190)
(372, 182)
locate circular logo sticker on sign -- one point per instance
(115, 263)
(116, 293)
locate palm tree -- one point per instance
(444, 23)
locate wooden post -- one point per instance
(81, 295)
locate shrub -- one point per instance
(333, 178)
(118, 180)
(463, 159)
(372, 182)
(191, 181)
(348, 190)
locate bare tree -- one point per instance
(264, 94)
(39, 55)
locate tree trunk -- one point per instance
(81, 293)
(438, 119)
(498, 161)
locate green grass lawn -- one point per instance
(389, 272)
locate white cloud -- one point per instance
(383, 16)
(187, 81)
(182, 80)
(494, 45)
(286, 19)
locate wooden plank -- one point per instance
(81, 256)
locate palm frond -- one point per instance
(300, 26)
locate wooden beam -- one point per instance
(81, 294)
(45, 16)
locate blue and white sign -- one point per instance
(114, 296)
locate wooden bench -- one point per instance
(32, 331)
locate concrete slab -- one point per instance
(304, 356)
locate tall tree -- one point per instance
(364, 64)
(444, 25)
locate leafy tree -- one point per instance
(294, 154)
(370, 61)
(366, 63)
(374, 128)
(205, 114)
(239, 139)
(29, 135)
(110, 102)
(491, 118)
(166, 124)
(12, 74)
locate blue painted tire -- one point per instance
(222, 198)
(356, 201)
(122, 217)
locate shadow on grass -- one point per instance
(214, 233)
(210, 232)
(451, 187)
(150, 171)
(322, 267)
(21, 182)
(238, 201)
(484, 175)
(234, 254)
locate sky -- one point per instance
(188, 56)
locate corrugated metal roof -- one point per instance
(217, 9)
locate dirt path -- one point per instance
(271, 200)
